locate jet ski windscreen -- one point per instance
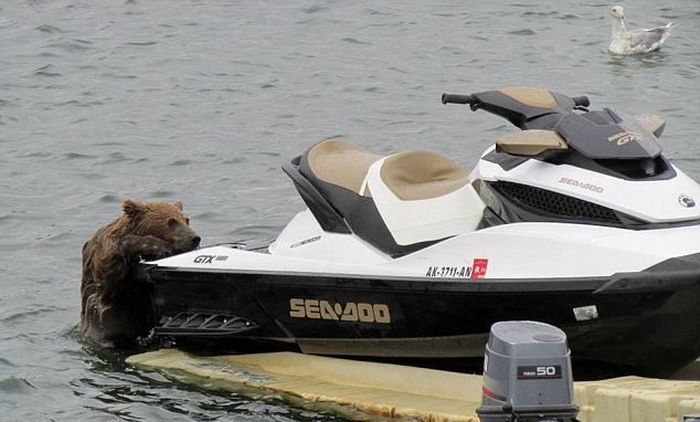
(603, 135)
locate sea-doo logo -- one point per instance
(208, 259)
(582, 185)
(686, 201)
(623, 138)
(350, 311)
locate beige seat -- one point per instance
(340, 163)
(414, 175)
(533, 97)
(531, 142)
(417, 197)
(423, 197)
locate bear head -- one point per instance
(164, 220)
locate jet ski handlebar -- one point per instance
(459, 99)
(471, 99)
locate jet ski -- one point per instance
(577, 220)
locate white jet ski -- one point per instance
(576, 220)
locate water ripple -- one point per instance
(144, 43)
(314, 9)
(71, 46)
(522, 32)
(234, 160)
(109, 199)
(162, 194)
(14, 385)
(77, 156)
(540, 14)
(118, 76)
(47, 70)
(356, 41)
(114, 158)
(49, 29)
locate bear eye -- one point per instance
(172, 222)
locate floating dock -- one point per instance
(396, 391)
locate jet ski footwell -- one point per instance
(397, 391)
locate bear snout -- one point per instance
(186, 239)
(189, 243)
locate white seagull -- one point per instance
(638, 40)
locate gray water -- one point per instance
(203, 101)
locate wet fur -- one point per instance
(115, 311)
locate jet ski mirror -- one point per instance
(530, 142)
(652, 123)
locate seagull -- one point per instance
(638, 40)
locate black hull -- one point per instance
(642, 326)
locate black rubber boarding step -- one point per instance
(197, 324)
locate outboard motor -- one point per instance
(527, 374)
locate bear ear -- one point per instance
(133, 208)
(178, 204)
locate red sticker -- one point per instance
(479, 268)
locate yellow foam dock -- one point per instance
(636, 399)
(406, 392)
(375, 388)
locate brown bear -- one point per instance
(115, 310)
